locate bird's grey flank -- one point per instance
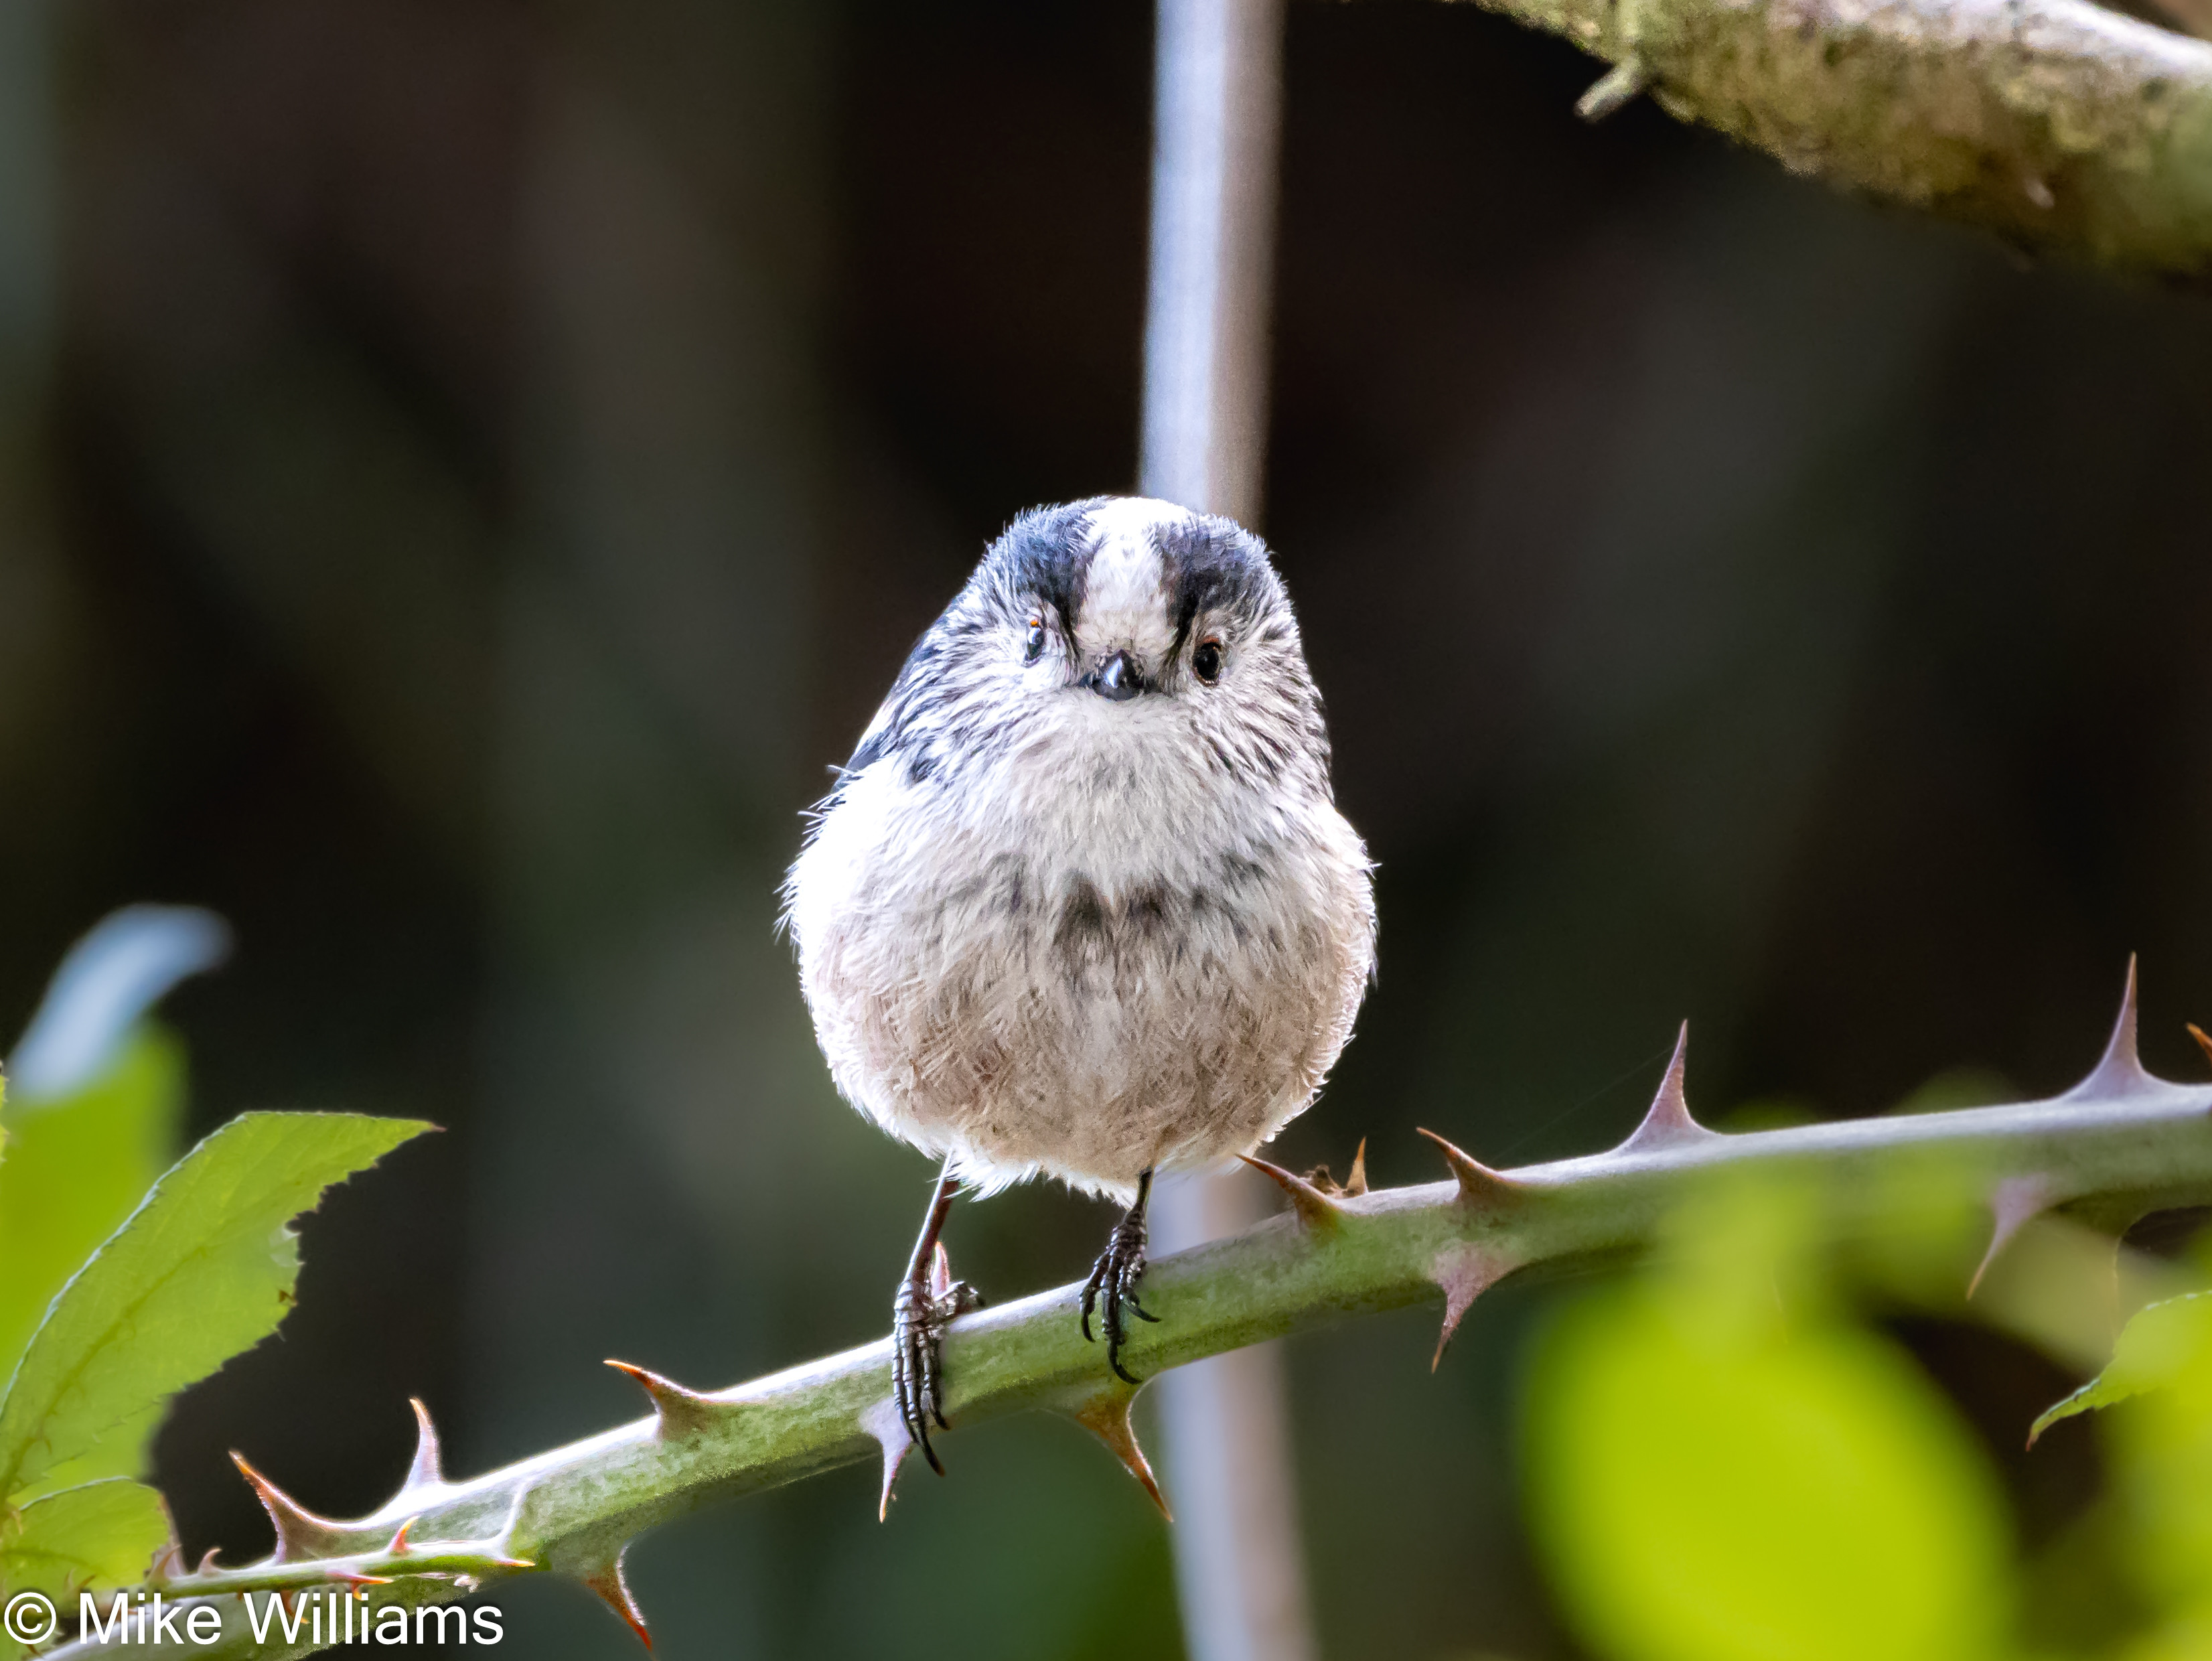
(1081, 905)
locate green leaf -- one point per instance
(125, 1450)
(94, 1537)
(1720, 1467)
(204, 1269)
(2160, 1460)
(75, 1169)
(2155, 1346)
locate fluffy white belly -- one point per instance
(1138, 987)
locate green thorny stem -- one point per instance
(2117, 1146)
(2057, 123)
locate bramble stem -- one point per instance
(2121, 1144)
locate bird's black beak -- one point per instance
(1117, 679)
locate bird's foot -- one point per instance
(926, 1304)
(1112, 1282)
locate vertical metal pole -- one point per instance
(1217, 118)
(1217, 123)
(1225, 1439)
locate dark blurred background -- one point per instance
(466, 467)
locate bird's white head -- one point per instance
(1111, 623)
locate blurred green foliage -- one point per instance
(1726, 1468)
(1727, 1458)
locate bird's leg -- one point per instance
(929, 1299)
(1114, 1278)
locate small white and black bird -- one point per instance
(1081, 905)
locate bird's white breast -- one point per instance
(1092, 958)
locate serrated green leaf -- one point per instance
(204, 1268)
(125, 1450)
(93, 1537)
(75, 1169)
(2156, 1345)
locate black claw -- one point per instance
(919, 1318)
(928, 1301)
(1113, 1281)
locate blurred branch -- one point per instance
(2193, 15)
(2117, 1146)
(2190, 17)
(2056, 123)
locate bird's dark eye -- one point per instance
(1205, 662)
(1035, 647)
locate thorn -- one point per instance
(608, 1581)
(208, 1565)
(1479, 1186)
(168, 1563)
(398, 1546)
(882, 1422)
(2203, 1039)
(1465, 1273)
(1319, 1212)
(2013, 1204)
(1355, 1181)
(1106, 1415)
(682, 1411)
(348, 1578)
(2120, 1071)
(1618, 87)
(427, 1471)
(1668, 1123)
(299, 1533)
